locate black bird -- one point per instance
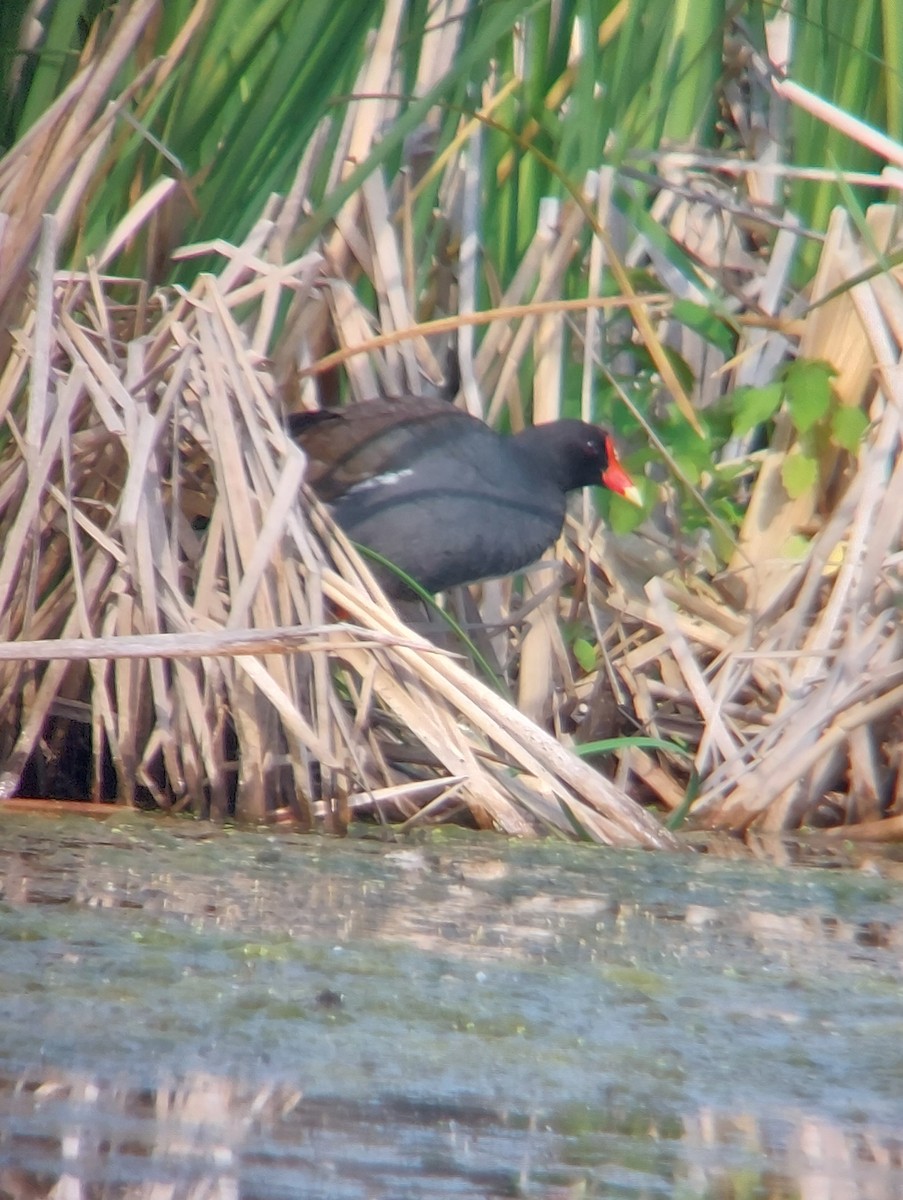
(443, 496)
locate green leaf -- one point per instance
(848, 426)
(753, 405)
(797, 547)
(430, 601)
(690, 468)
(799, 474)
(687, 446)
(701, 319)
(807, 386)
(632, 741)
(585, 654)
(624, 517)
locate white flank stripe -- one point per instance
(388, 480)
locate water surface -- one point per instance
(195, 1012)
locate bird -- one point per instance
(443, 496)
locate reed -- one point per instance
(153, 521)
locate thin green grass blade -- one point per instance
(607, 745)
(430, 601)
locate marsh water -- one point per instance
(192, 1012)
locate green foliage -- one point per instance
(799, 473)
(32, 81)
(584, 652)
(250, 85)
(624, 517)
(702, 320)
(247, 86)
(820, 421)
(638, 742)
(803, 389)
(852, 55)
(754, 405)
(807, 390)
(848, 426)
(818, 417)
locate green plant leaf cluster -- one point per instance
(851, 55)
(244, 91)
(818, 417)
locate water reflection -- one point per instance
(192, 1013)
(208, 1137)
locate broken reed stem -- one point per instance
(225, 644)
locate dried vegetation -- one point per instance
(168, 593)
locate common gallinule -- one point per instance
(443, 496)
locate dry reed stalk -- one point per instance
(541, 650)
(147, 491)
(193, 533)
(810, 662)
(61, 150)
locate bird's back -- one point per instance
(436, 491)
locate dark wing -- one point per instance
(372, 438)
